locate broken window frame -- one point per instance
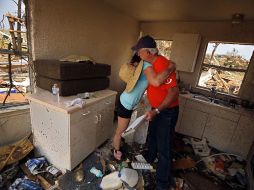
(221, 68)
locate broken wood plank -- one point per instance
(8, 15)
(103, 163)
(13, 37)
(43, 182)
(13, 153)
(8, 158)
(18, 31)
(28, 173)
(222, 81)
(37, 178)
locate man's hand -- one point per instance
(150, 115)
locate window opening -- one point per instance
(224, 66)
(14, 67)
(164, 47)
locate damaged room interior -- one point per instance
(126, 95)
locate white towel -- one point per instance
(78, 101)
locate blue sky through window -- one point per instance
(9, 6)
(243, 50)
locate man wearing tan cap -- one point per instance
(164, 113)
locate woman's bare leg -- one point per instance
(122, 125)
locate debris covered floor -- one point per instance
(196, 166)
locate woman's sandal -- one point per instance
(117, 154)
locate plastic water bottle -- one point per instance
(96, 172)
(55, 92)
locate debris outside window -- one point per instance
(164, 47)
(224, 66)
(14, 65)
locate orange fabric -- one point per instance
(156, 95)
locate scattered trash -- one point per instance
(219, 165)
(140, 158)
(141, 166)
(96, 172)
(8, 174)
(149, 180)
(191, 156)
(85, 95)
(183, 164)
(111, 167)
(78, 101)
(129, 176)
(111, 181)
(179, 183)
(200, 147)
(54, 187)
(53, 170)
(103, 164)
(26, 184)
(79, 174)
(15, 152)
(44, 183)
(35, 165)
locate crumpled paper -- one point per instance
(77, 101)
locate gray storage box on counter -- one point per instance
(71, 77)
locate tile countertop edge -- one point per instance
(46, 98)
(237, 111)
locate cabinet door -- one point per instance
(82, 134)
(192, 122)
(182, 102)
(105, 114)
(50, 134)
(243, 137)
(219, 132)
(185, 50)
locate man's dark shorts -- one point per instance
(123, 112)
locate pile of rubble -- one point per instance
(20, 170)
(195, 165)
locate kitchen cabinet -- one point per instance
(193, 122)
(82, 128)
(182, 102)
(227, 129)
(184, 51)
(219, 131)
(104, 119)
(243, 136)
(66, 136)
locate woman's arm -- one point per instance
(158, 79)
